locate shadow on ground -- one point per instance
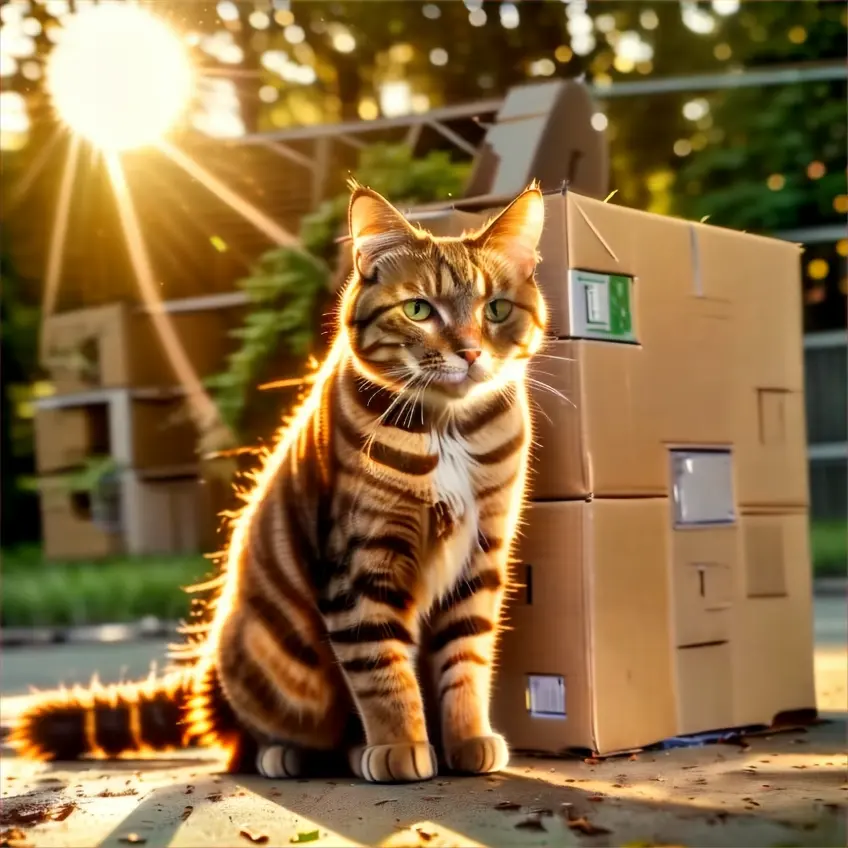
(787, 790)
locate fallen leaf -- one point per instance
(214, 797)
(596, 799)
(187, 812)
(132, 839)
(256, 838)
(531, 823)
(424, 834)
(306, 836)
(189, 789)
(507, 805)
(385, 801)
(110, 793)
(584, 826)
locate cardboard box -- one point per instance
(586, 661)
(543, 131)
(118, 346)
(69, 530)
(631, 626)
(132, 514)
(140, 429)
(697, 343)
(614, 411)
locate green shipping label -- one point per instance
(600, 306)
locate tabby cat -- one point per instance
(375, 542)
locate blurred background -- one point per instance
(170, 230)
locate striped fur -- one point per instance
(375, 539)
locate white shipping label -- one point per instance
(702, 487)
(546, 696)
(597, 305)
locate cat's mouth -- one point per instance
(452, 382)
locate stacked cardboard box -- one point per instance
(116, 397)
(664, 560)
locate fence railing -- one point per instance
(826, 373)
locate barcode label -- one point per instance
(597, 305)
(546, 696)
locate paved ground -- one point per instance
(790, 789)
(787, 790)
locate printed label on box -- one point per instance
(546, 696)
(702, 487)
(600, 306)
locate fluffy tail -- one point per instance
(158, 714)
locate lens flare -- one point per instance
(119, 76)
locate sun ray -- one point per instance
(56, 251)
(36, 166)
(247, 210)
(204, 412)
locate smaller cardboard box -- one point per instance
(140, 429)
(586, 660)
(641, 619)
(118, 346)
(133, 513)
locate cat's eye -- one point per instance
(417, 310)
(498, 310)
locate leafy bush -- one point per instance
(122, 589)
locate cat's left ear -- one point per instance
(376, 229)
(516, 232)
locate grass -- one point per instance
(38, 593)
(829, 544)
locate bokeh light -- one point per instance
(119, 76)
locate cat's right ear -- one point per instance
(377, 229)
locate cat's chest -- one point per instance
(455, 522)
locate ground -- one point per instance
(788, 789)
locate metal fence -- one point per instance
(826, 372)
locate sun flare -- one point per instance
(119, 77)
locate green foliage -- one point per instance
(829, 545)
(282, 294)
(285, 291)
(777, 131)
(49, 594)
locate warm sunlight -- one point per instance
(119, 76)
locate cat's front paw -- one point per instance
(279, 761)
(480, 755)
(402, 762)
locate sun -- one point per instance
(119, 76)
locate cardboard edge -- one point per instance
(587, 601)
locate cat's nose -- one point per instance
(470, 355)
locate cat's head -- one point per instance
(452, 317)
